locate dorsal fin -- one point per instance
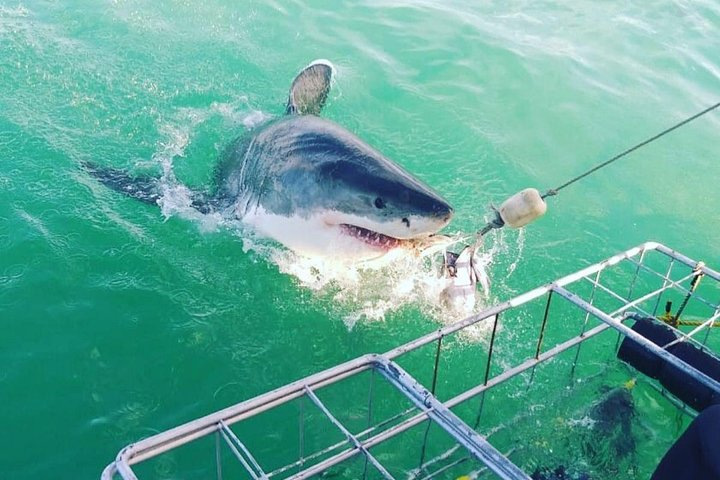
(310, 88)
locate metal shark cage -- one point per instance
(371, 417)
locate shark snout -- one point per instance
(441, 211)
(444, 211)
(426, 221)
(427, 213)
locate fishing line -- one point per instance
(527, 205)
(554, 191)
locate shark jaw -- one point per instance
(371, 238)
(339, 235)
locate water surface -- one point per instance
(120, 319)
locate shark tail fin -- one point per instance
(144, 188)
(310, 88)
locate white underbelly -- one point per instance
(310, 236)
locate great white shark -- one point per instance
(310, 184)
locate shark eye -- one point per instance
(379, 202)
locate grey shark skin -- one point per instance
(312, 185)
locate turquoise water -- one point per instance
(120, 319)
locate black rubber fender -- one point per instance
(691, 391)
(643, 360)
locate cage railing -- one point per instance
(425, 403)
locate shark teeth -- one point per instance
(374, 239)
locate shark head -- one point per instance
(371, 200)
(327, 192)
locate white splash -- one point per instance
(19, 11)
(177, 198)
(370, 290)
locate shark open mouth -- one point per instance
(370, 237)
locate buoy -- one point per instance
(522, 208)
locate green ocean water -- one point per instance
(120, 320)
